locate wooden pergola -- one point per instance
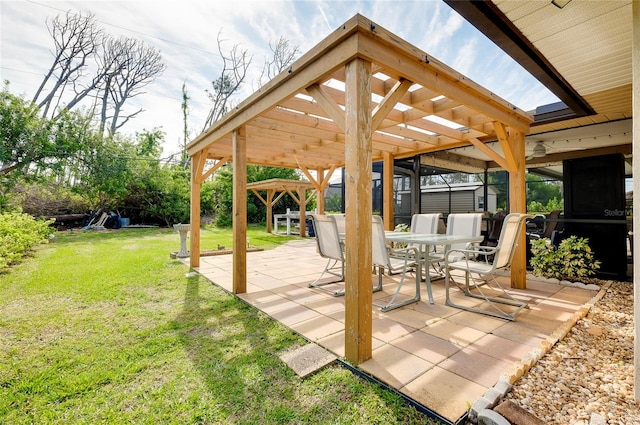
(359, 96)
(297, 189)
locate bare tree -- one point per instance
(76, 39)
(134, 66)
(234, 70)
(121, 67)
(283, 55)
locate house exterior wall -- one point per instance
(455, 201)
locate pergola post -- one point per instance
(518, 203)
(197, 162)
(270, 193)
(358, 155)
(302, 196)
(388, 212)
(239, 212)
(320, 196)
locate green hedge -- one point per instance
(19, 233)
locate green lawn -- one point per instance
(103, 327)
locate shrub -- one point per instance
(573, 258)
(18, 234)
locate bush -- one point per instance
(49, 199)
(18, 234)
(573, 258)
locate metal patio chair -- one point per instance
(462, 224)
(330, 247)
(485, 261)
(394, 261)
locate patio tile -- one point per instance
(577, 295)
(338, 315)
(521, 334)
(426, 346)
(259, 297)
(294, 315)
(307, 359)
(395, 366)
(455, 333)
(554, 310)
(413, 318)
(438, 309)
(444, 392)
(476, 366)
(264, 281)
(318, 327)
(387, 330)
(276, 305)
(501, 348)
(302, 295)
(335, 343)
(537, 319)
(327, 305)
(478, 321)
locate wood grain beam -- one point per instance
(327, 103)
(390, 100)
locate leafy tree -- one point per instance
(333, 203)
(30, 143)
(542, 191)
(155, 192)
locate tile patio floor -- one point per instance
(441, 357)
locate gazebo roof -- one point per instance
(419, 105)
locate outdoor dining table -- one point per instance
(427, 241)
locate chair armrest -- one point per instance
(403, 252)
(468, 254)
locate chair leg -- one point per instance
(392, 304)
(427, 280)
(329, 268)
(493, 301)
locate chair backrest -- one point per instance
(496, 226)
(464, 224)
(508, 239)
(327, 237)
(379, 253)
(340, 222)
(425, 223)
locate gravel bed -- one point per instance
(587, 378)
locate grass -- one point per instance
(105, 328)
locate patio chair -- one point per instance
(394, 261)
(340, 222)
(424, 223)
(549, 226)
(476, 260)
(464, 224)
(331, 248)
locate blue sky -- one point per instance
(185, 32)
